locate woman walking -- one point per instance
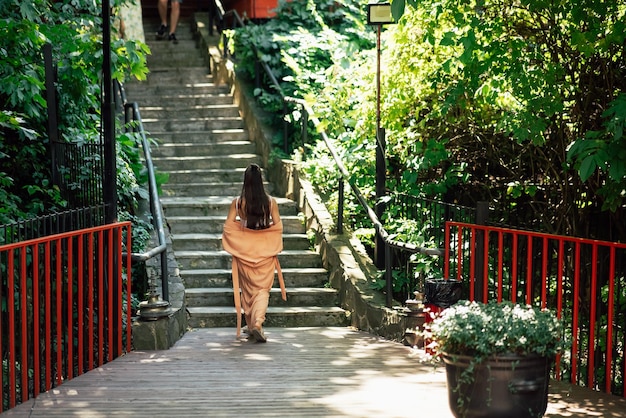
(253, 236)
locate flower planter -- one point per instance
(502, 386)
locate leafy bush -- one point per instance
(488, 329)
(73, 29)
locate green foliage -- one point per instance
(411, 272)
(484, 330)
(299, 45)
(605, 151)
(513, 94)
(73, 29)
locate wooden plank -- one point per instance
(299, 372)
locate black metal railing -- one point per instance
(78, 169)
(52, 224)
(389, 243)
(433, 213)
(133, 121)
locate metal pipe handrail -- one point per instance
(155, 202)
(383, 234)
(344, 172)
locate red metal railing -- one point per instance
(582, 280)
(65, 298)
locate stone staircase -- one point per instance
(205, 148)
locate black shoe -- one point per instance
(172, 37)
(161, 32)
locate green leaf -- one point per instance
(397, 9)
(587, 168)
(617, 170)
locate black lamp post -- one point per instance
(108, 121)
(379, 14)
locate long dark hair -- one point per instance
(256, 202)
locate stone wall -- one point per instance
(350, 268)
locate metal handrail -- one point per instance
(155, 202)
(382, 233)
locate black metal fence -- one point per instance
(411, 270)
(55, 223)
(78, 171)
(432, 213)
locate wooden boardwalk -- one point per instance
(299, 372)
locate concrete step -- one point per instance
(299, 296)
(213, 242)
(200, 189)
(218, 206)
(183, 30)
(149, 95)
(294, 277)
(167, 54)
(304, 316)
(179, 124)
(182, 58)
(204, 176)
(155, 93)
(208, 148)
(166, 111)
(213, 224)
(214, 135)
(165, 76)
(200, 259)
(205, 162)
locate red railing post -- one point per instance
(575, 313)
(609, 328)
(48, 325)
(80, 305)
(24, 322)
(514, 269)
(485, 278)
(59, 313)
(90, 307)
(36, 322)
(472, 277)
(592, 317)
(11, 312)
(446, 252)
(544, 272)
(100, 291)
(70, 311)
(500, 262)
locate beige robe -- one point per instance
(255, 259)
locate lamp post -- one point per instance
(108, 121)
(379, 14)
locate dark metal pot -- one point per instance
(504, 386)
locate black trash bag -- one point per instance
(442, 293)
